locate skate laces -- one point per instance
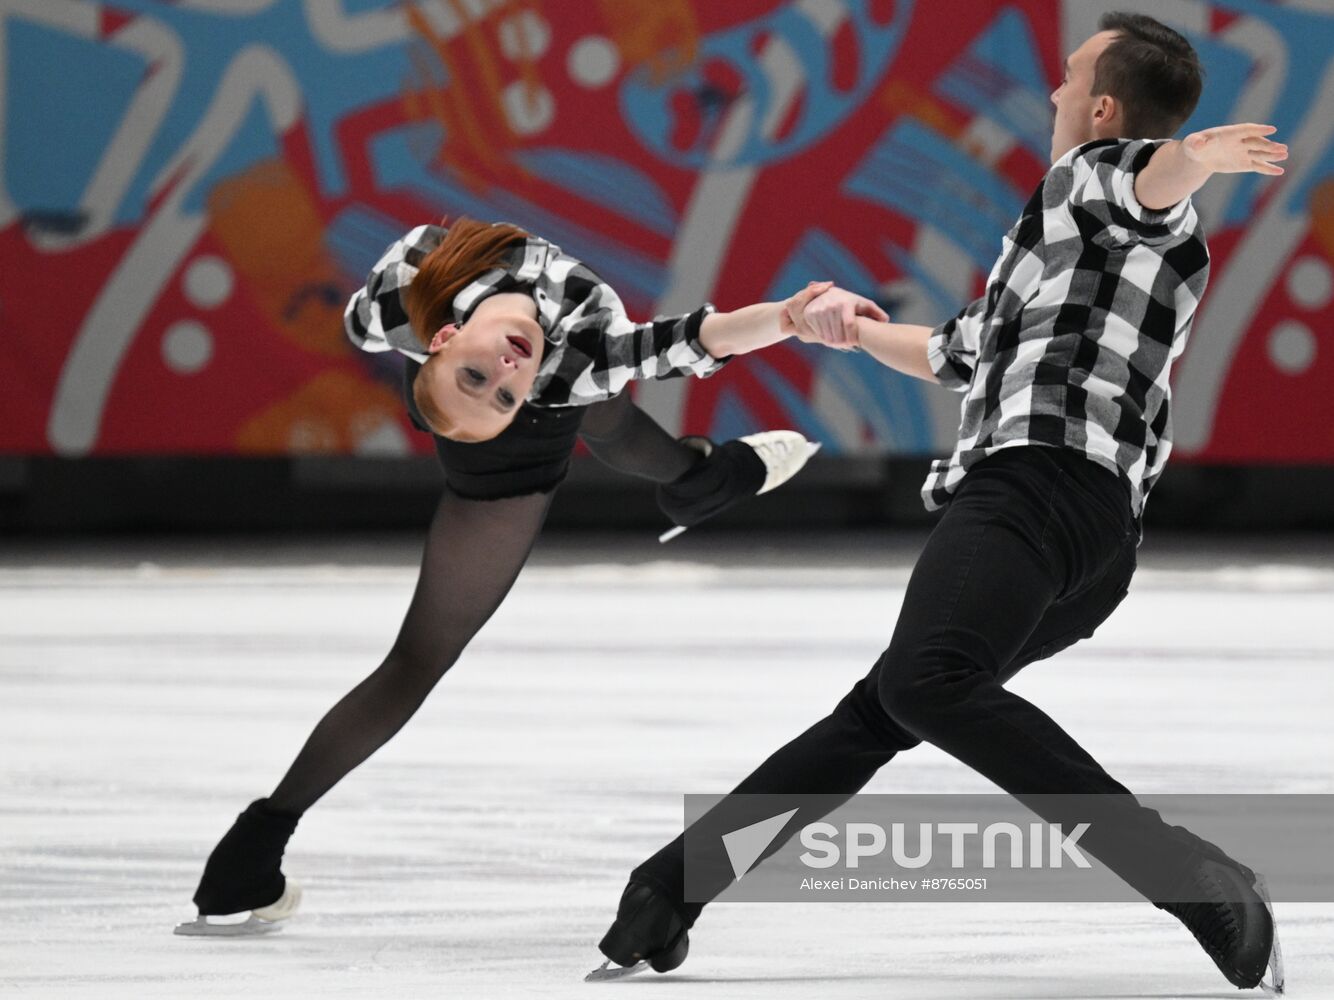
(774, 452)
(1212, 921)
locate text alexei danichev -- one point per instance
(890, 884)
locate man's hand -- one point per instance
(1235, 149)
(830, 316)
(790, 318)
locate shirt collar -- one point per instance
(525, 264)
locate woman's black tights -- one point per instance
(474, 551)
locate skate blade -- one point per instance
(264, 920)
(1276, 982)
(605, 974)
(252, 926)
(671, 533)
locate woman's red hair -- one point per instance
(468, 251)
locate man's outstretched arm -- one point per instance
(1178, 169)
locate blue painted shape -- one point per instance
(66, 97)
(796, 407)
(920, 174)
(332, 85)
(632, 274)
(358, 236)
(1227, 71)
(820, 257)
(604, 181)
(731, 418)
(646, 106)
(354, 7)
(1309, 37)
(252, 143)
(890, 402)
(1000, 76)
(940, 296)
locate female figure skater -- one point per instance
(514, 350)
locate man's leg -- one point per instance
(1027, 540)
(971, 547)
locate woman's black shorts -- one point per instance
(532, 455)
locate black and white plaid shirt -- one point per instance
(592, 348)
(1072, 344)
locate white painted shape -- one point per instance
(1310, 282)
(524, 35)
(593, 61)
(1291, 347)
(530, 109)
(988, 142)
(380, 438)
(208, 282)
(231, 8)
(187, 347)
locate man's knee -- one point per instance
(916, 691)
(861, 711)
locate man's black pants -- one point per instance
(1033, 553)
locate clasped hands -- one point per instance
(822, 313)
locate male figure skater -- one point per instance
(1066, 425)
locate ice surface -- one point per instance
(144, 700)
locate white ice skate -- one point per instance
(784, 454)
(265, 920)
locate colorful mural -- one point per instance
(192, 189)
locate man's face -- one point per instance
(1080, 116)
(480, 373)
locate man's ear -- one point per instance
(442, 337)
(1106, 110)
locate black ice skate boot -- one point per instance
(731, 472)
(647, 933)
(244, 873)
(1229, 912)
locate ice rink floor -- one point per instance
(149, 691)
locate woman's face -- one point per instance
(479, 373)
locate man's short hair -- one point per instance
(1152, 71)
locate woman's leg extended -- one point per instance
(624, 437)
(697, 479)
(474, 551)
